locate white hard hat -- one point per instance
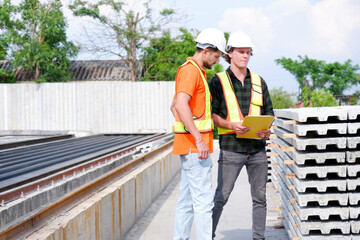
(239, 39)
(211, 37)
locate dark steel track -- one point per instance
(25, 164)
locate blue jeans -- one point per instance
(196, 198)
(230, 165)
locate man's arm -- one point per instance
(181, 105)
(237, 127)
(172, 108)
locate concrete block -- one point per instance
(303, 143)
(304, 199)
(353, 142)
(355, 236)
(323, 213)
(353, 112)
(294, 229)
(352, 156)
(355, 226)
(354, 198)
(321, 114)
(300, 157)
(302, 171)
(354, 212)
(322, 199)
(320, 185)
(352, 184)
(319, 129)
(353, 170)
(353, 127)
(324, 227)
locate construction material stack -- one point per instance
(316, 170)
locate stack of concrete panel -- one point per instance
(316, 170)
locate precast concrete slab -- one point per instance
(354, 198)
(352, 156)
(352, 184)
(353, 112)
(354, 212)
(355, 227)
(301, 157)
(294, 230)
(304, 199)
(301, 184)
(353, 127)
(323, 213)
(355, 236)
(321, 114)
(325, 227)
(353, 142)
(320, 129)
(321, 186)
(322, 199)
(303, 143)
(353, 170)
(302, 171)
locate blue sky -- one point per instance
(326, 30)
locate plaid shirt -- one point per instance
(229, 142)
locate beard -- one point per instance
(208, 65)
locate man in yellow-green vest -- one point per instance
(236, 93)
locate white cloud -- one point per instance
(283, 8)
(252, 21)
(335, 25)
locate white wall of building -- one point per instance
(93, 106)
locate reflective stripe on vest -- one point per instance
(234, 113)
(204, 123)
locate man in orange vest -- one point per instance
(236, 93)
(193, 137)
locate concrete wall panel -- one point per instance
(97, 107)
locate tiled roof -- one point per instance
(87, 70)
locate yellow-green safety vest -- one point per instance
(205, 122)
(233, 109)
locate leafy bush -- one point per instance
(322, 98)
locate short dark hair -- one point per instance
(227, 58)
(210, 48)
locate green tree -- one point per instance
(281, 99)
(126, 27)
(165, 54)
(37, 40)
(2, 50)
(355, 99)
(211, 72)
(317, 75)
(305, 96)
(322, 98)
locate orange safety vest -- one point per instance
(233, 109)
(205, 122)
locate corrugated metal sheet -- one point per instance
(92, 70)
(95, 106)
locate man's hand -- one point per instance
(264, 134)
(203, 149)
(238, 128)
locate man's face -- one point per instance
(210, 58)
(240, 57)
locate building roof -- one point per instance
(83, 70)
